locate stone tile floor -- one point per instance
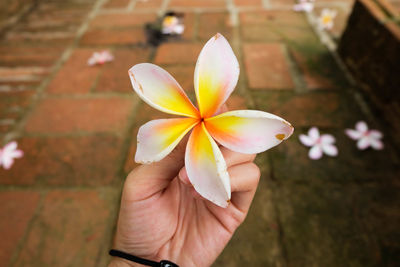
(78, 124)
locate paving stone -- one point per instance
(170, 53)
(291, 163)
(122, 20)
(14, 102)
(16, 211)
(114, 75)
(256, 242)
(29, 56)
(40, 37)
(266, 66)
(281, 3)
(236, 102)
(189, 20)
(68, 230)
(311, 76)
(275, 25)
(320, 225)
(148, 4)
(273, 18)
(321, 109)
(246, 3)
(183, 74)
(116, 4)
(318, 67)
(376, 205)
(88, 160)
(75, 76)
(196, 3)
(212, 23)
(66, 115)
(113, 37)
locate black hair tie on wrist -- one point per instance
(120, 254)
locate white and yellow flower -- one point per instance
(244, 131)
(325, 20)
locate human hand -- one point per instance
(163, 217)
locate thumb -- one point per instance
(149, 179)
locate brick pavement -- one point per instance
(77, 126)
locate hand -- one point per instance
(163, 217)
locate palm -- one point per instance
(162, 219)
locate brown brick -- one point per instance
(114, 76)
(183, 74)
(267, 33)
(14, 102)
(212, 23)
(273, 26)
(197, 3)
(66, 115)
(273, 17)
(113, 37)
(246, 3)
(312, 77)
(189, 21)
(266, 66)
(16, 210)
(90, 160)
(116, 4)
(28, 55)
(320, 109)
(148, 4)
(171, 53)
(75, 76)
(281, 3)
(123, 20)
(236, 102)
(71, 230)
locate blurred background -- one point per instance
(74, 116)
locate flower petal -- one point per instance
(9, 147)
(361, 126)
(306, 140)
(330, 150)
(376, 144)
(17, 154)
(206, 167)
(313, 133)
(216, 75)
(376, 134)
(353, 134)
(248, 131)
(363, 143)
(157, 138)
(327, 139)
(8, 162)
(315, 152)
(160, 90)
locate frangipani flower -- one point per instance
(366, 138)
(325, 20)
(99, 58)
(8, 153)
(172, 25)
(304, 5)
(245, 131)
(319, 144)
